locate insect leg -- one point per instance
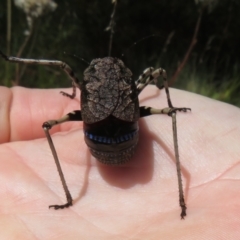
(171, 111)
(151, 76)
(146, 111)
(63, 65)
(72, 116)
(144, 79)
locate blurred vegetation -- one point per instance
(208, 62)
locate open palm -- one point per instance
(135, 201)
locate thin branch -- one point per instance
(34, 35)
(24, 44)
(191, 46)
(167, 42)
(9, 26)
(111, 26)
(224, 35)
(19, 53)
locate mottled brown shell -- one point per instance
(108, 89)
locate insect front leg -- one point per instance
(72, 116)
(151, 75)
(144, 79)
(63, 65)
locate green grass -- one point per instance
(224, 88)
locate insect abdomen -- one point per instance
(114, 156)
(112, 141)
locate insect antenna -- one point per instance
(135, 43)
(80, 58)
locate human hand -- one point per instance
(136, 201)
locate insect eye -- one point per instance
(93, 68)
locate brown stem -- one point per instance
(111, 27)
(191, 46)
(224, 34)
(9, 25)
(34, 37)
(17, 75)
(167, 42)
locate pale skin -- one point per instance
(136, 201)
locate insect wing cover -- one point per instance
(108, 89)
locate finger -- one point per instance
(24, 110)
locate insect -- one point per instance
(110, 112)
